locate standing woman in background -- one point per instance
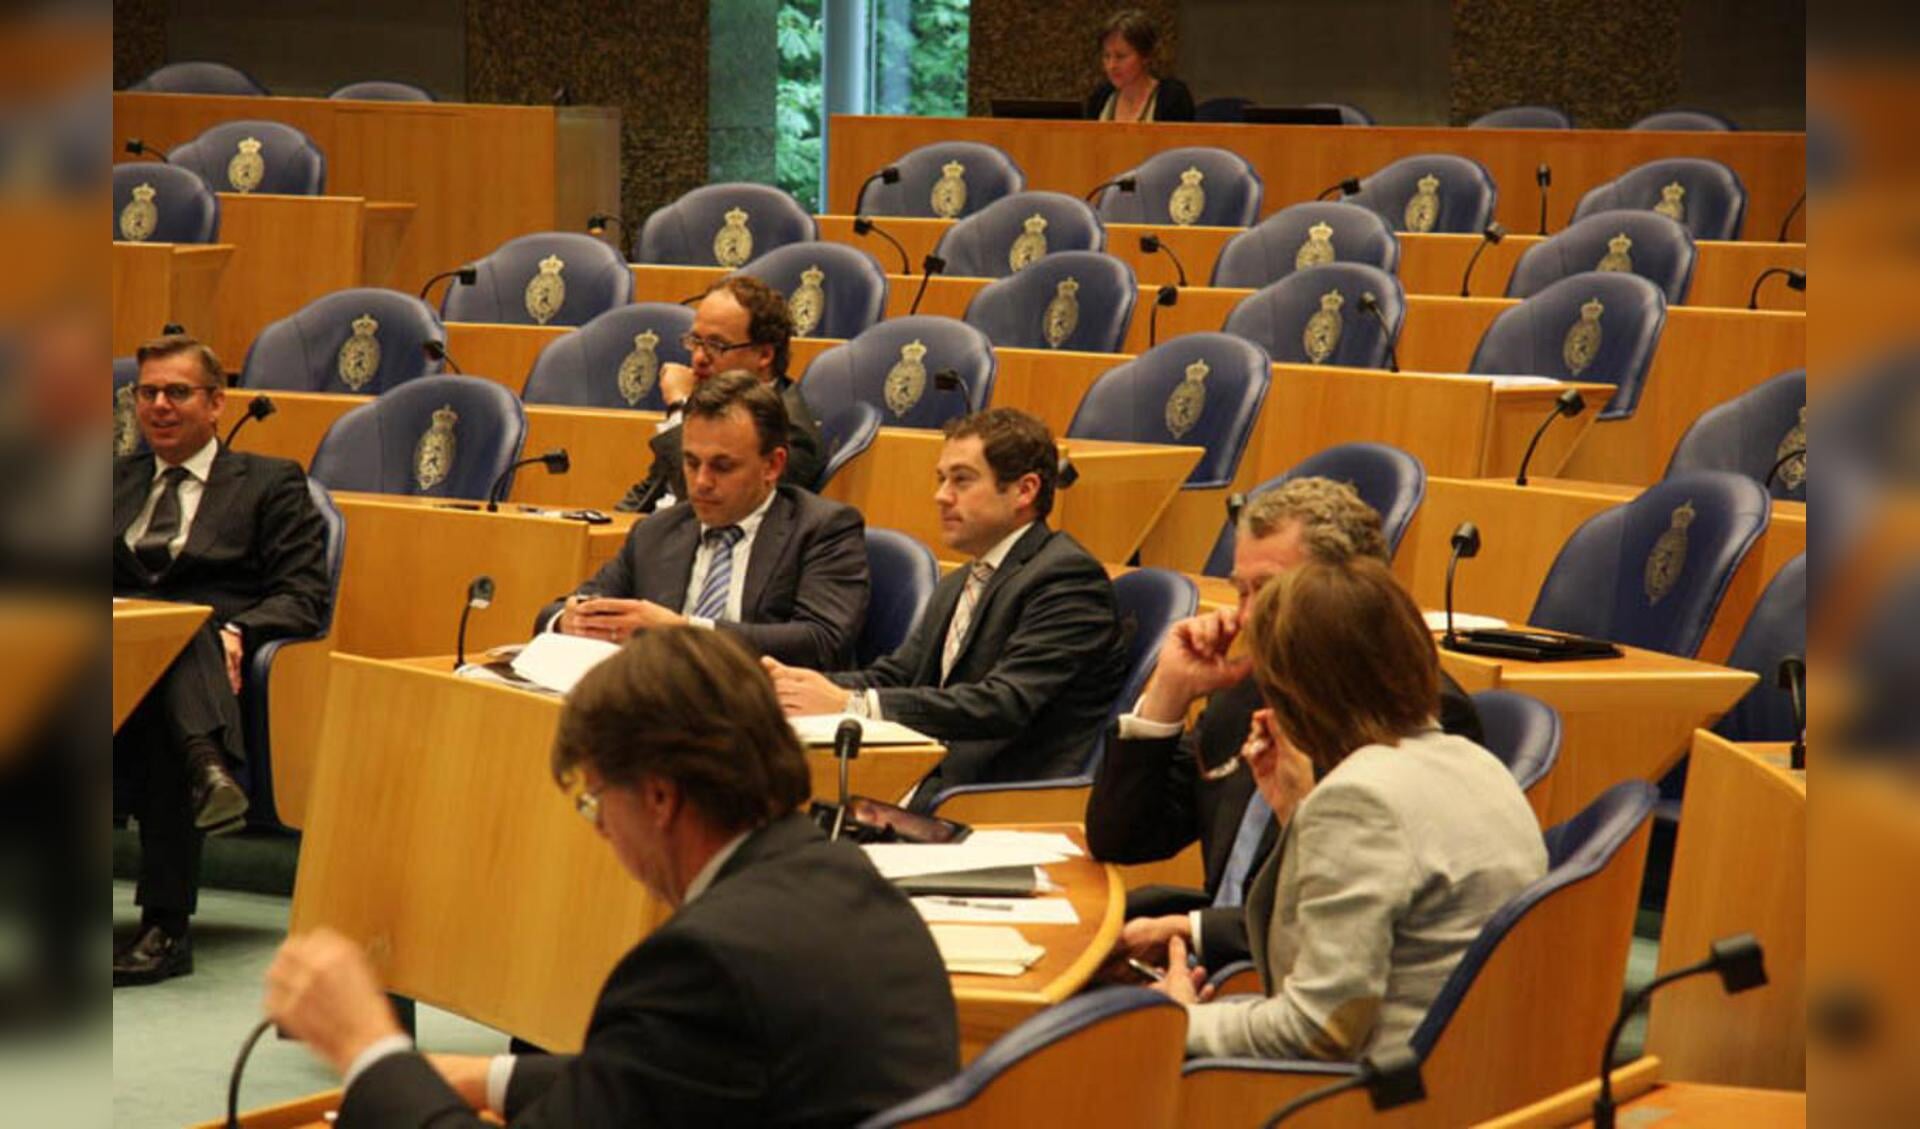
(1130, 92)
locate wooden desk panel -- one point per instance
(147, 634)
(157, 283)
(294, 430)
(1723, 273)
(503, 354)
(1641, 1098)
(1297, 162)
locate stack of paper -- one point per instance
(1462, 621)
(985, 950)
(1008, 911)
(982, 850)
(557, 661)
(821, 728)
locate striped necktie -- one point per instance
(713, 593)
(978, 573)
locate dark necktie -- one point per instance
(151, 549)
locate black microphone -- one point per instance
(888, 175)
(556, 462)
(1371, 304)
(140, 148)
(1791, 212)
(862, 225)
(1151, 244)
(1067, 474)
(171, 328)
(466, 276)
(1466, 545)
(598, 222)
(1543, 176)
(1493, 234)
(1125, 183)
(562, 96)
(1740, 965)
(846, 748)
(1792, 677)
(239, 1068)
(261, 408)
(437, 351)
(1796, 280)
(1168, 295)
(1569, 403)
(1391, 1078)
(479, 595)
(1346, 187)
(930, 266)
(1779, 464)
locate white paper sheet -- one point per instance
(1514, 380)
(557, 661)
(905, 860)
(1462, 621)
(1004, 911)
(985, 950)
(819, 728)
(1036, 840)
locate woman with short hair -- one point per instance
(1130, 92)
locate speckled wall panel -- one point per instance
(139, 39)
(1606, 64)
(1020, 49)
(649, 60)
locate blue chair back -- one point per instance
(1016, 230)
(1197, 390)
(1350, 114)
(1313, 316)
(931, 185)
(364, 340)
(1776, 628)
(1652, 572)
(383, 90)
(1751, 434)
(1644, 243)
(847, 433)
(614, 360)
(1390, 480)
(904, 575)
(549, 278)
(1695, 121)
(1522, 730)
(199, 77)
(156, 203)
(436, 437)
(846, 299)
(1461, 199)
(895, 366)
(255, 156)
(1597, 325)
(1077, 300)
(1523, 117)
(723, 225)
(1149, 601)
(127, 439)
(1706, 197)
(1198, 185)
(1305, 235)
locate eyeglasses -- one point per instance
(176, 394)
(587, 803)
(713, 346)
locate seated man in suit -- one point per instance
(1150, 799)
(741, 324)
(198, 523)
(1015, 661)
(793, 986)
(780, 568)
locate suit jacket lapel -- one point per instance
(131, 485)
(1260, 899)
(769, 545)
(1022, 551)
(216, 498)
(677, 550)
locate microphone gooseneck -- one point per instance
(1787, 222)
(1796, 280)
(846, 748)
(1345, 187)
(479, 595)
(1466, 544)
(1370, 304)
(1739, 962)
(1154, 245)
(260, 408)
(1391, 1077)
(1126, 183)
(1792, 677)
(1543, 176)
(140, 148)
(888, 175)
(1493, 234)
(239, 1068)
(929, 266)
(437, 351)
(862, 225)
(1168, 295)
(466, 275)
(1569, 403)
(556, 461)
(598, 222)
(1780, 464)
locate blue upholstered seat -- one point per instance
(723, 225)
(1462, 198)
(1077, 300)
(516, 283)
(1197, 390)
(1597, 325)
(127, 439)
(1644, 243)
(383, 90)
(1706, 196)
(1523, 117)
(1390, 480)
(1776, 628)
(1303, 235)
(255, 156)
(896, 367)
(930, 185)
(1522, 730)
(1198, 185)
(437, 436)
(184, 209)
(1752, 434)
(1002, 237)
(364, 340)
(612, 361)
(1350, 114)
(199, 77)
(904, 575)
(845, 435)
(847, 298)
(1286, 319)
(1697, 121)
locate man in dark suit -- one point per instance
(741, 324)
(198, 523)
(783, 569)
(793, 986)
(1150, 798)
(1014, 665)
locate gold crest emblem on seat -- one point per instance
(1317, 251)
(1673, 202)
(950, 191)
(1188, 200)
(433, 454)
(1793, 471)
(1062, 315)
(1582, 343)
(247, 168)
(907, 379)
(1423, 207)
(126, 428)
(1322, 335)
(546, 291)
(140, 216)
(1617, 256)
(808, 303)
(640, 369)
(359, 356)
(1188, 401)
(733, 243)
(1669, 556)
(1031, 243)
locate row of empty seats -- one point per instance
(205, 77)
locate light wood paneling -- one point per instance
(147, 634)
(157, 283)
(1642, 1099)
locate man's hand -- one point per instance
(321, 989)
(1181, 984)
(467, 1074)
(603, 617)
(1145, 938)
(676, 382)
(804, 691)
(230, 643)
(1283, 773)
(1193, 663)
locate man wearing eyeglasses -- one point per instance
(197, 523)
(741, 324)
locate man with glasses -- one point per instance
(741, 324)
(198, 523)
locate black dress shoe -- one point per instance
(217, 800)
(154, 956)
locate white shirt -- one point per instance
(742, 553)
(192, 487)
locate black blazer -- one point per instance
(1149, 802)
(1035, 677)
(1173, 102)
(801, 989)
(806, 455)
(805, 597)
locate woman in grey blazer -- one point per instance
(1389, 866)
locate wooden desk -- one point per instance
(158, 283)
(147, 634)
(1740, 866)
(1642, 1099)
(480, 174)
(1297, 162)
